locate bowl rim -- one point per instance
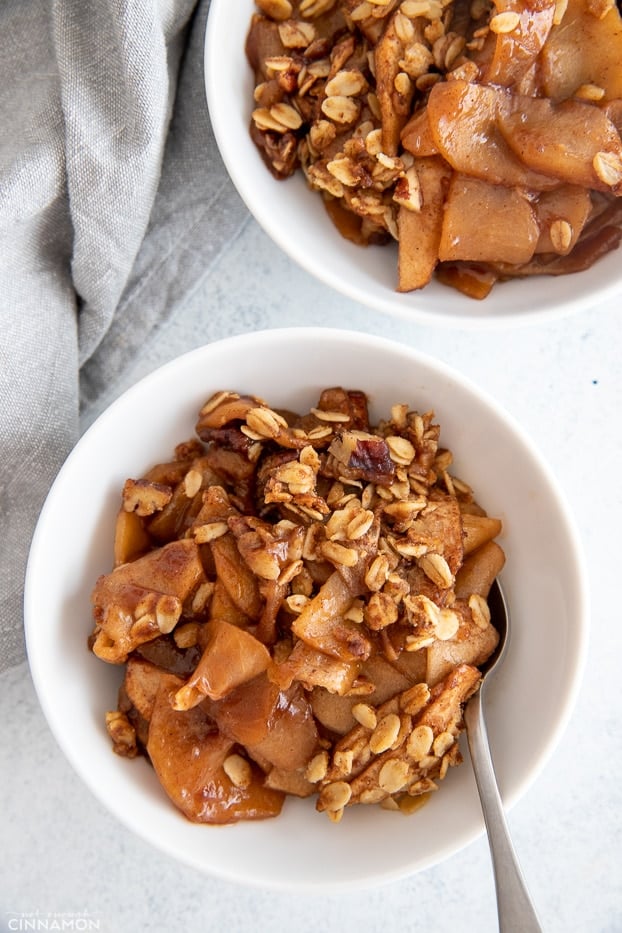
(587, 291)
(36, 659)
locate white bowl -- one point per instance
(543, 580)
(295, 218)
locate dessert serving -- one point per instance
(483, 139)
(299, 604)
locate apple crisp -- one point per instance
(484, 138)
(299, 603)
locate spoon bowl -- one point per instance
(514, 906)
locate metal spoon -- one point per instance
(514, 907)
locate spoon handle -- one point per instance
(515, 909)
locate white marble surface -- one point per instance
(63, 855)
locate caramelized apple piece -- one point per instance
(573, 141)
(517, 48)
(562, 215)
(313, 667)
(178, 514)
(420, 231)
(141, 684)
(472, 279)
(246, 713)
(130, 538)
(292, 738)
(222, 607)
(464, 121)
(417, 136)
(190, 758)
(584, 50)
(478, 529)
(475, 223)
(230, 658)
(236, 577)
(322, 625)
(479, 570)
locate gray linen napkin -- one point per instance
(113, 204)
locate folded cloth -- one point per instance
(114, 203)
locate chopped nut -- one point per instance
(380, 611)
(238, 770)
(591, 92)
(192, 483)
(296, 602)
(317, 767)
(122, 733)
(145, 498)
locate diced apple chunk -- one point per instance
(487, 223)
(189, 756)
(231, 657)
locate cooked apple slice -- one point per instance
(322, 625)
(523, 30)
(191, 759)
(562, 215)
(479, 570)
(130, 538)
(464, 122)
(420, 231)
(487, 223)
(417, 136)
(573, 141)
(292, 739)
(478, 529)
(581, 51)
(231, 657)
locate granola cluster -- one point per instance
(429, 122)
(300, 606)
